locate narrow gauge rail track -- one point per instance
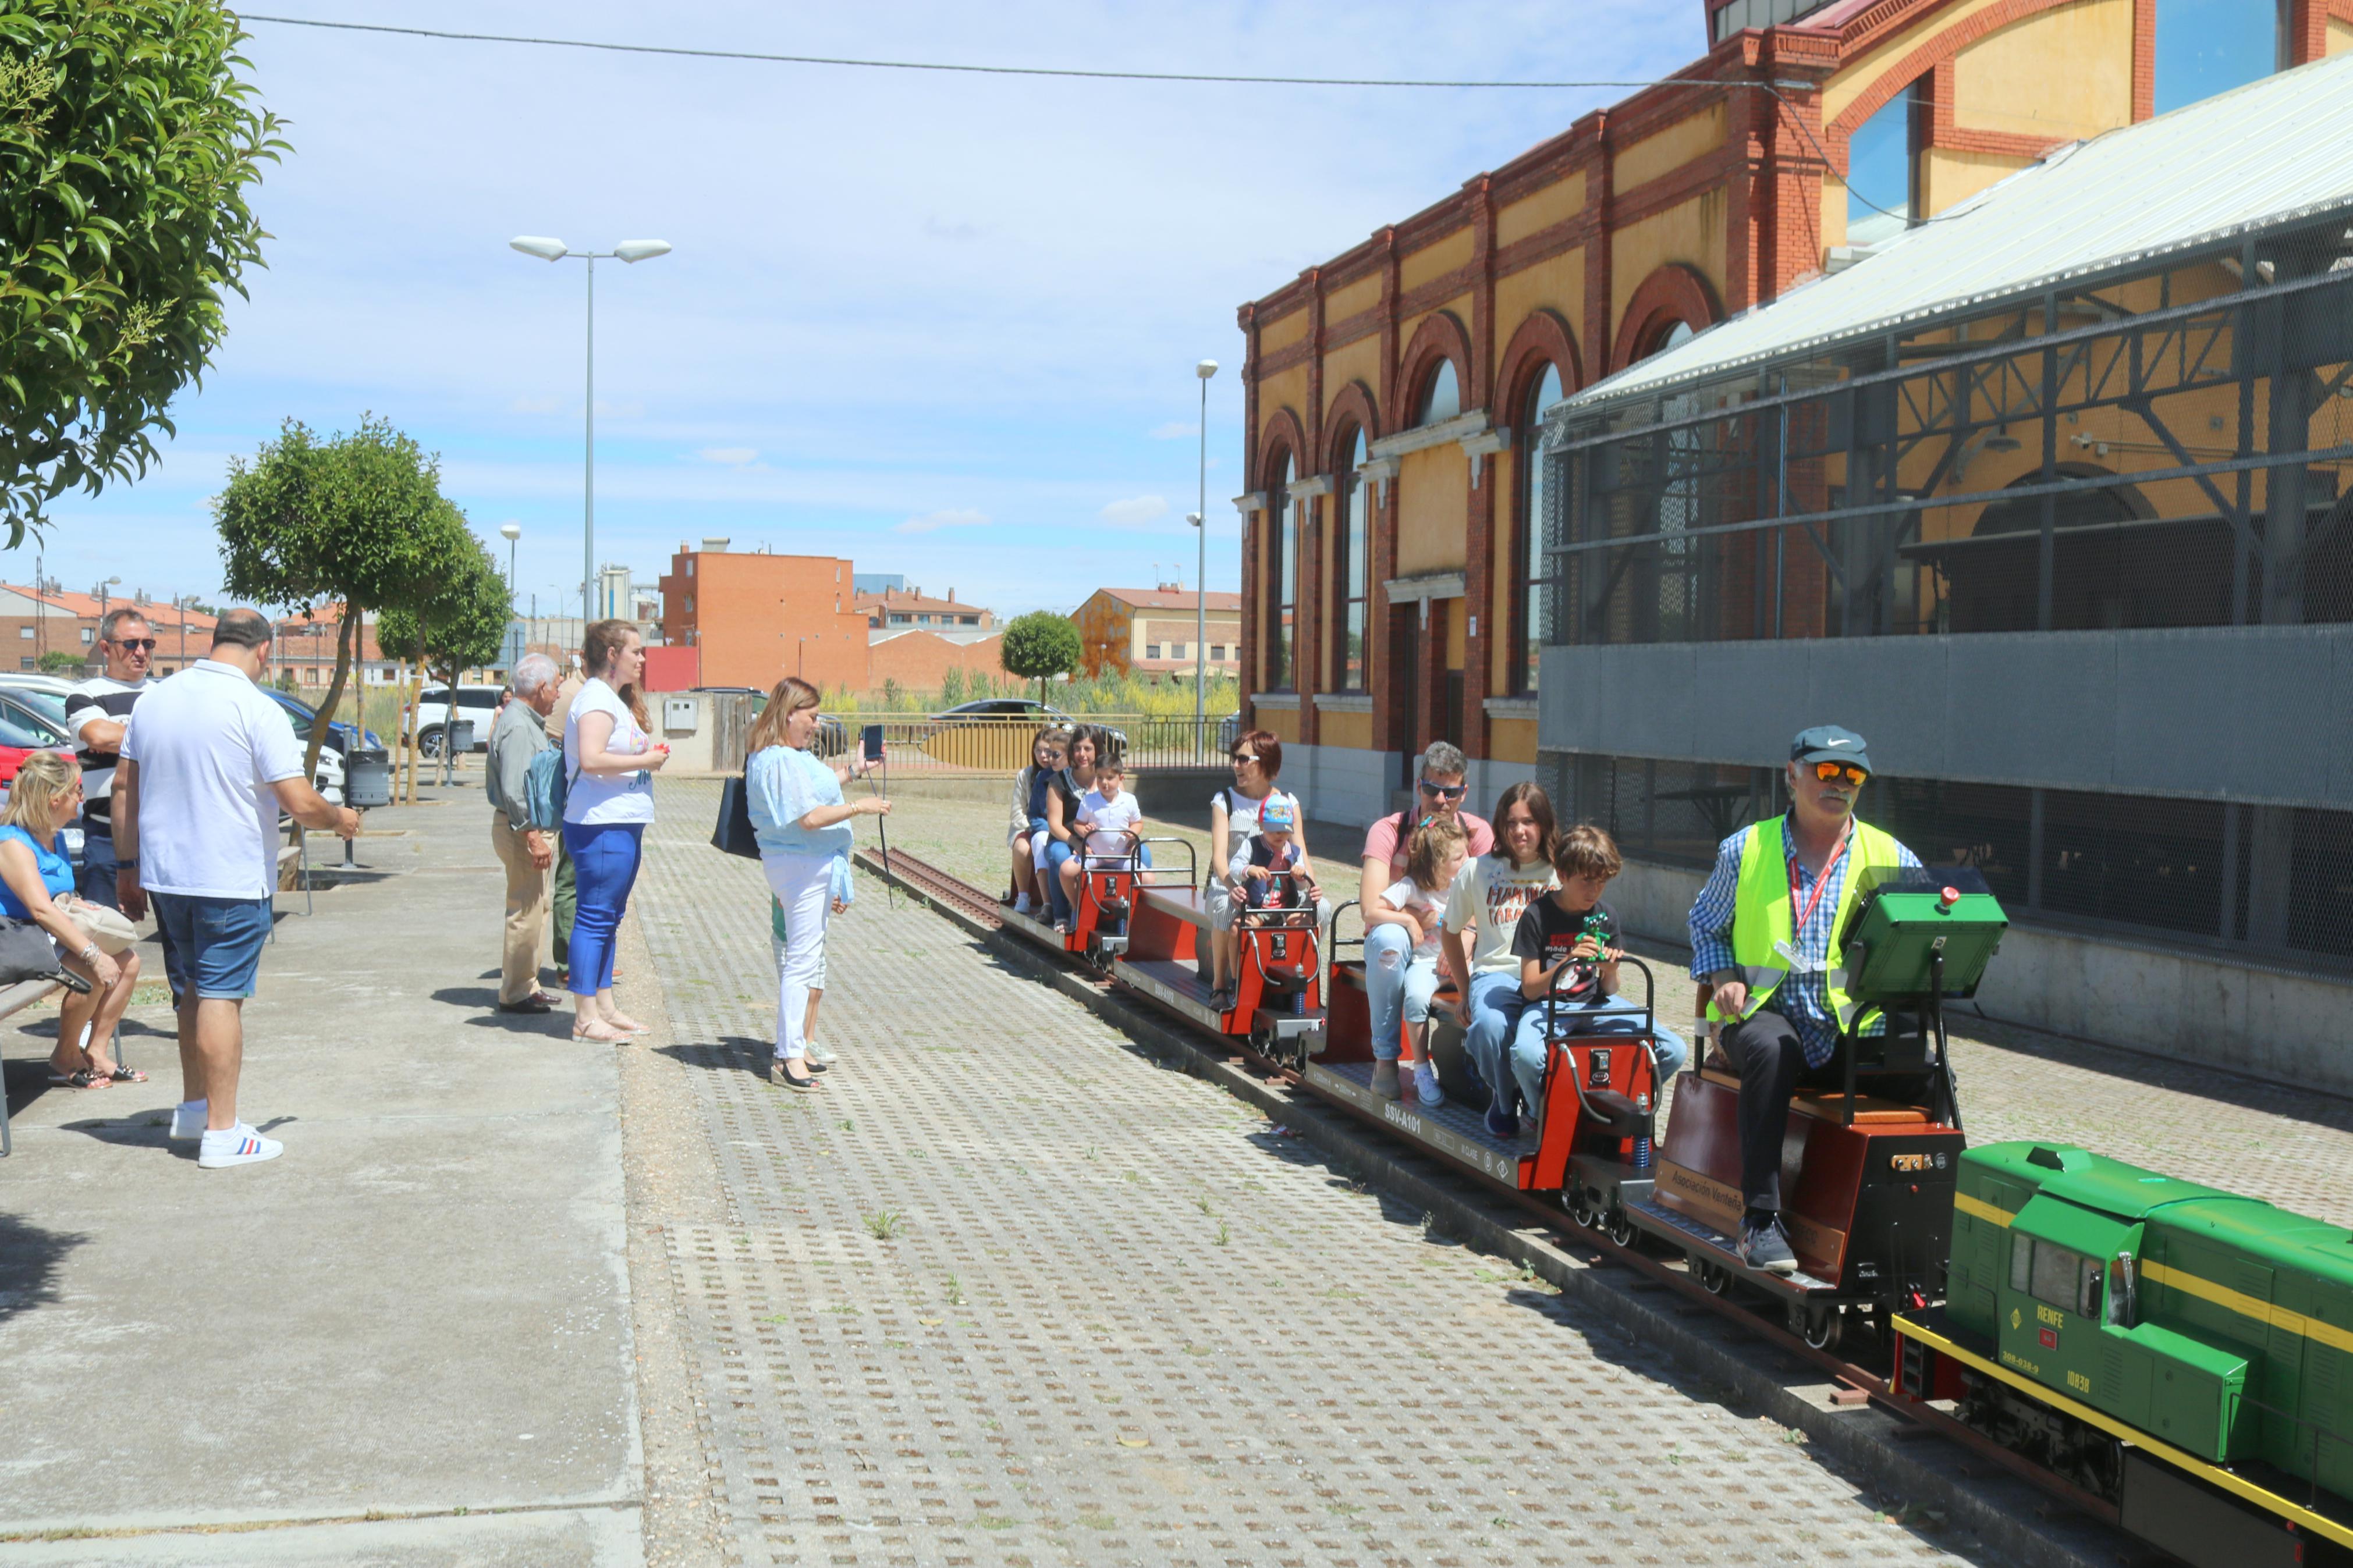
(1857, 1382)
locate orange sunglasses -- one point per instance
(1827, 771)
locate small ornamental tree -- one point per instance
(127, 142)
(451, 621)
(1038, 646)
(357, 519)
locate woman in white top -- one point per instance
(1488, 900)
(1233, 821)
(609, 760)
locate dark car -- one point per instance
(340, 735)
(1005, 710)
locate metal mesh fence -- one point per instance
(2231, 878)
(2165, 447)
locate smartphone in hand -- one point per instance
(871, 742)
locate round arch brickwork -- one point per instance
(1673, 293)
(1542, 339)
(1353, 409)
(1279, 435)
(1930, 53)
(1439, 337)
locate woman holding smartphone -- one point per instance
(802, 823)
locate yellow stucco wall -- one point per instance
(1345, 729)
(1692, 234)
(1561, 199)
(1859, 75)
(1512, 741)
(1359, 360)
(1288, 390)
(2065, 73)
(1283, 332)
(1280, 723)
(1663, 151)
(1953, 176)
(1435, 260)
(1457, 635)
(1362, 295)
(1434, 502)
(1557, 284)
(2340, 35)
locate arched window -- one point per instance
(1675, 337)
(1352, 567)
(1535, 569)
(1281, 578)
(1443, 400)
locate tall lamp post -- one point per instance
(629, 250)
(1205, 370)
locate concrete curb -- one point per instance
(2013, 1521)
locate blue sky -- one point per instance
(940, 325)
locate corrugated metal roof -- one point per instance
(2272, 151)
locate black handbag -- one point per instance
(734, 834)
(27, 954)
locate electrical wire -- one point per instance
(1209, 78)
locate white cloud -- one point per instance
(1174, 430)
(729, 457)
(1134, 511)
(931, 522)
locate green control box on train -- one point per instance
(2218, 1324)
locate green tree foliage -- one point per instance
(1038, 646)
(58, 661)
(463, 622)
(127, 144)
(358, 520)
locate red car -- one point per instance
(24, 730)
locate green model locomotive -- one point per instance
(2197, 1346)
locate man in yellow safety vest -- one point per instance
(1765, 932)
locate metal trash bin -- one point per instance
(367, 777)
(458, 737)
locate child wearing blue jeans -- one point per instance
(1567, 949)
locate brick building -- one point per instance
(753, 619)
(35, 622)
(1391, 585)
(305, 649)
(908, 609)
(1151, 631)
(920, 660)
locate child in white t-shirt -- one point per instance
(1107, 821)
(1433, 857)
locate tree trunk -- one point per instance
(324, 723)
(416, 710)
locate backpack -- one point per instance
(544, 787)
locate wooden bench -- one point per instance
(16, 999)
(1829, 1105)
(1182, 904)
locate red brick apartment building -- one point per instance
(34, 623)
(753, 619)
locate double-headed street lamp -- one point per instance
(629, 250)
(1200, 521)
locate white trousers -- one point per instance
(804, 885)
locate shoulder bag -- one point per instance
(734, 834)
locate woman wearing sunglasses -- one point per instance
(1391, 935)
(1764, 934)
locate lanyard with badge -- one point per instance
(1797, 927)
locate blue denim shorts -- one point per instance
(213, 944)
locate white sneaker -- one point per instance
(237, 1145)
(820, 1055)
(187, 1120)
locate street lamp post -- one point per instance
(629, 250)
(1205, 370)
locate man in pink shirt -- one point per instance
(1388, 933)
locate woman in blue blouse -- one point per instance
(37, 882)
(803, 825)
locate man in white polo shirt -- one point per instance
(206, 765)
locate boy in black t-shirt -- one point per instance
(1568, 938)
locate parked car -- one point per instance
(477, 703)
(1009, 709)
(342, 736)
(24, 730)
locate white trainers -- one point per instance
(1021, 904)
(237, 1145)
(820, 1055)
(187, 1120)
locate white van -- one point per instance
(479, 704)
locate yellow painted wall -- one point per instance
(1362, 295)
(1359, 360)
(1435, 260)
(1512, 741)
(1458, 634)
(1859, 74)
(1345, 729)
(1562, 199)
(1280, 723)
(2066, 73)
(1692, 234)
(1433, 509)
(2340, 35)
(1664, 151)
(1283, 332)
(1288, 390)
(1557, 284)
(1954, 176)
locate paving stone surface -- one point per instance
(1006, 1292)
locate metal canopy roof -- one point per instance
(2274, 152)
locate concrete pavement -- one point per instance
(416, 1316)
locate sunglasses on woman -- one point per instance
(1241, 757)
(1853, 775)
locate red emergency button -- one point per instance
(1949, 897)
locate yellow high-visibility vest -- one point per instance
(1763, 922)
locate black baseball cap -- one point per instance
(1829, 743)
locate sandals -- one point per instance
(80, 1077)
(780, 1075)
(121, 1074)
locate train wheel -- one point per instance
(1581, 1206)
(1823, 1327)
(1714, 1279)
(1620, 1228)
